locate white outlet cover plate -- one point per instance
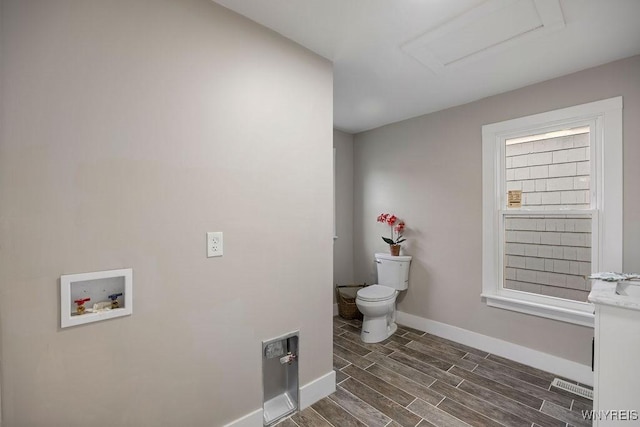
(214, 243)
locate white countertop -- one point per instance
(605, 293)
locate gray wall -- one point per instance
(129, 128)
(427, 170)
(343, 245)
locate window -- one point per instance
(546, 225)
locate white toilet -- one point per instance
(377, 303)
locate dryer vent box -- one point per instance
(280, 377)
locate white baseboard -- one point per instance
(253, 419)
(310, 393)
(317, 389)
(537, 359)
(335, 309)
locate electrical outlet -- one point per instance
(214, 243)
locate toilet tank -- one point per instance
(393, 271)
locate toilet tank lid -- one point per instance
(390, 257)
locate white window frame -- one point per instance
(605, 120)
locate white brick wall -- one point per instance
(548, 255)
(552, 173)
(563, 169)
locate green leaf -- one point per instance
(401, 240)
(388, 240)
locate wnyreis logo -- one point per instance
(611, 414)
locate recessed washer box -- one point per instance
(91, 297)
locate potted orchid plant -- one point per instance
(397, 228)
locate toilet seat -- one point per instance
(376, 293)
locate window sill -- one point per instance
(576, 317)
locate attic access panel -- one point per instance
(489, 28)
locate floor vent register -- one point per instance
(572, 388)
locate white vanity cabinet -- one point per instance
(616, 354)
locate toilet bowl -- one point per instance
(377, 303)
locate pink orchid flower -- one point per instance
(396, 232)
(392, 220)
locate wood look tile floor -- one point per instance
(414, 379)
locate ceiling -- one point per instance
(396, 59)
